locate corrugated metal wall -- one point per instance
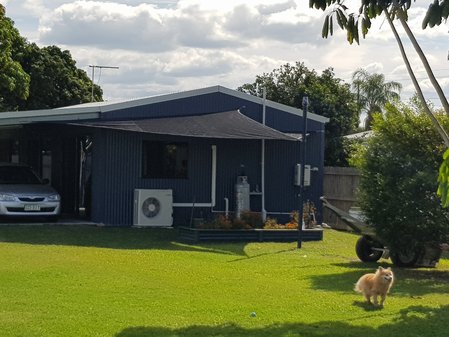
(117, 172)
(117, 156)
(215, 102)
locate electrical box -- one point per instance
(297, 181)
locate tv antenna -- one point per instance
(93, 74)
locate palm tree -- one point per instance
(402, 15)
(373, 93)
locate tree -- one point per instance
(38, 78)
(370, 9)
(14, 81)
(399, 167)
(373, 93)
(328, 97)
(55, 79)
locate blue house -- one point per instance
(168, 159)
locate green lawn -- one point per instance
(93, 281)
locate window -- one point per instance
(165, 160)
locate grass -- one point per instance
(122, 282)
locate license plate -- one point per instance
(30, 208)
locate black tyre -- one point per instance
(406, 257)
(364, 249)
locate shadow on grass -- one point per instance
(413, 282)
(367, 306)
(262, 255)
(414, 321)
(109, 237)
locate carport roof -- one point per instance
(226, 125)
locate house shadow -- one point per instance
(409, 282)
(246, 257)
(413, 321)
(110, 237)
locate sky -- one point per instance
(169, 46)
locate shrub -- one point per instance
(399, 169)
(291, 225)
(220, 222)
(271, 223)
(247, 220)
(252, 219)
(240, 224)
(309, 211)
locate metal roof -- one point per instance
(94, 110)
(226, 125)
(360, 135)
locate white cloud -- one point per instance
(280, 7)
(169, 45)
(144, 27)
(36, 7)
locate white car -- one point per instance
(24, 194)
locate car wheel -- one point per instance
(364, 249)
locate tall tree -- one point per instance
(328, 96)
(55, 79)
(373, 93)
(392, 9)
(38, 78)
(370, 9)
(14, 81)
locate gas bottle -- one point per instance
(241, 195)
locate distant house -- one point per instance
(167, 159)
(359, 135)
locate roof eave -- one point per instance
(32, 116)
(272, 104)
(208, 90)
(92, 111)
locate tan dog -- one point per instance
(375, 284)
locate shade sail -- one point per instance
(226, 125)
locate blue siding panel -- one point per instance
(215, 102)
(117, 156)
(117, 172)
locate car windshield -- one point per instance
(17, 175)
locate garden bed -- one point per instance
(247, 235)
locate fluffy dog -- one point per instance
(375, 284)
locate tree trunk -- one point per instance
(424, 61)
(435, 122)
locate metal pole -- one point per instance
(93, 79)
(305, 105)
(262, 182)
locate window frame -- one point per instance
(171, 164)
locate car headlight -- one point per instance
(7, 197)
(54, 197)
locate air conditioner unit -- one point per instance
(153, 208)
